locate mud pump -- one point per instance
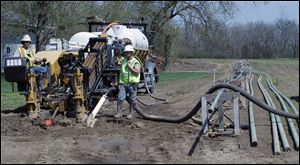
(78, 77)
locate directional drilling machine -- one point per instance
(81, 75)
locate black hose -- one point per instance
(198, 106)
(148, 91)
(168, 119)
(253, 99)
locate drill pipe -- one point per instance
(251, 115)
(286, 146)
(276, 143)
(290, 121)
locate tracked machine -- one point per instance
(88, 70)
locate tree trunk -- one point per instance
(37, 41)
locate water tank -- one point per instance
(80, 40)
(138, 39)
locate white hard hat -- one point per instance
(128, 48)
(26, 37)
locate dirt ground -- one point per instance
(138, 140)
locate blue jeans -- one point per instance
(129, 91)
(40, 70)
(42, 73)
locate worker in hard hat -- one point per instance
(28, 53)
(128, 81)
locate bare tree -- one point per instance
(45, 19)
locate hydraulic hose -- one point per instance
(148, 91)
(198, 106)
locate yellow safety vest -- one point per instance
(30, 56)
(126, 75)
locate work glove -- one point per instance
(130, 64)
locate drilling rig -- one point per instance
(80, 76)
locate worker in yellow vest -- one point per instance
(27, 52)
(128, 80)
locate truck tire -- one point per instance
(150, 68)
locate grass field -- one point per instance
(218, 61)
(285, 71)
(10, 100)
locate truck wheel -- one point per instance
(151, 88)
(150, 67)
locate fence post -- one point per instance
(214, 75)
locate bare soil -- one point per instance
(138, 140)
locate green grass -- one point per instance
(287, 69)
(10, 100)
(219, 61)
(171, 77)
(277, 61)
(284, 73)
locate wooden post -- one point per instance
(214, 75)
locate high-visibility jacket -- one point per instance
(126, 75)
(24, 54)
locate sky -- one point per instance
(268, 12)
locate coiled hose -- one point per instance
(198, 106)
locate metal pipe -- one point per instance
(286, 146)
(276, 145)
(214, 104)
(251, 115)
(289, 102)
(287, 99)
(290, 121)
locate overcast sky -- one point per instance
(254, 11)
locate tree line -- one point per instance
(251, 40)
(186, 29)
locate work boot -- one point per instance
(120, 110)
(118, 115)
(129, 116)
